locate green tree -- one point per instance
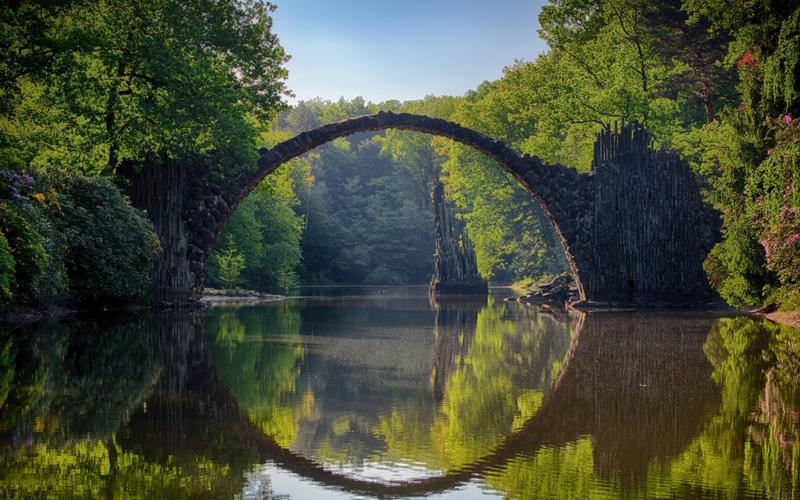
(231, 264)
(90, 84)
(752, 159)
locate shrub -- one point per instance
(7, 271)
(111, 245)
(52, 281)
(27, 249)
(735, 267)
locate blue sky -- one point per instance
(402, 49)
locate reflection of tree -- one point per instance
(256, 353)
(750, 447)
(636, 410)
(23, 379)
(78, 379)
(492, 371)
(73, 385)
(499, 383)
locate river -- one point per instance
(381, 391)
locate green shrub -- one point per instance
(52, 282)
(27, 249)
(735, 267)
(110, 245)
(7, 270)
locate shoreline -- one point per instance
(211, 296)
(788, 318)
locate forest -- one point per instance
(89, 88)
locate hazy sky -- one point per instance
(402, 49)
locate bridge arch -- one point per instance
(634, 230)
(537, 177)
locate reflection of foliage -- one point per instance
(497, 386)
(97, 469)
(565, 472)
(22, 378)
(109, 370)
(75, 379)
(718, 463)
(260, 368)
(747, 355)
(734, 347)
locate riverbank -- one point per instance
(791, 318)
(213, 295)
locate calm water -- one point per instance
(361, 392)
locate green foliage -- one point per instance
(367, 213)
(752, 161)
(89, 84)
(366, 200)
(8, 281)
(736, 268)
(511, 236)
(27, 249)
(110, 246)
(231, 264)
(266, 232)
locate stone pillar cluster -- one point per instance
(455, 265)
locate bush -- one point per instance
(52, 282)
(26, 247)
(7, 271)
(111, 246)
(736, 268)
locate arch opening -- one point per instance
(517, 165)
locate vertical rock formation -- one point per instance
(455, 266)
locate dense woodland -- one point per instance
(88, 86)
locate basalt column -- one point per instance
(158, 188)
(455, 266)
(651, 229)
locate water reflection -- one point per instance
(390, 394)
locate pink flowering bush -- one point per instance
(781, 244)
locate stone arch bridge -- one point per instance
(634, 229)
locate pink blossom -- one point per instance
(791, 240)
(765, 244)
(746, 60)
(788, 118)
(784, 211)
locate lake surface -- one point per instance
(364, 392)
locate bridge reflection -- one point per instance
(646, 391)
(641, 390)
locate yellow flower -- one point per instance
(38, 197)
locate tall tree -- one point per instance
(90, 84)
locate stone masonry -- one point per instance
(634, 230)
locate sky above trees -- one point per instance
(402, 50)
